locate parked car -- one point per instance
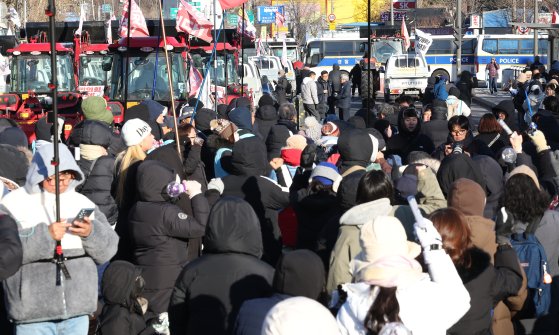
(405, 74)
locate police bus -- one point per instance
(441, 56)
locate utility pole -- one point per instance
(536, 10)
(458, 36)
(391, 12)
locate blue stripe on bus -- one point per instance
(343, 61)
(511, 60)
(431, 60)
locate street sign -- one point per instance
(267, 14)
(173, 12)
(475, 21)
(404, 4)
(398, 16)
(331, 17)
(106, 8)
(231, 20)
(332, 26)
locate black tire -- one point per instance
(367, 90)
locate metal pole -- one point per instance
(536, 15)
(216, 40)
(459, 46)
(125, 75)
(243, 51)
(24, 12)
(368, 62)
(225, 69)
(169, 77)
(391, 13)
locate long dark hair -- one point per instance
(385, 309)
(523, 199)
(456, 235)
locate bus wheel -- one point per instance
(440, 73)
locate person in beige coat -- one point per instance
(468, 197)
(375, 194)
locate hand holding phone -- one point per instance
(81, 226)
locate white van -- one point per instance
(270, 65)
(405, 74)
(251, 77)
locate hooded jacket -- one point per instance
(507, 106)
(266, 117)
(241, 117)
(96, 128)
(12, 253)
(492, 174)
(298, 273)
(455, 166)
(159, 232)
(439, 90)
(437, 128)
(210, 290)
(122, 312)
(38, 300)
(279, 133)
(99, 176)
(407, 141)
(309, 92)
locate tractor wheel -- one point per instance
(367, 90)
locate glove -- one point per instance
(216, 184)
(427, 234)
(503, 226)
(161, 325)
(192, 188)
(308, 156)
(539, 140)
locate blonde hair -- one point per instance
(132, 155)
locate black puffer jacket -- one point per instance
(84, 130)
(277, 137)
(487, 285)
(160, 231)
(456, 166)
(99, 173)
(12, 253)
(266, 116)
(437, 129)
(210, 291)
(407, 141)
(122, 312)
(265, 196)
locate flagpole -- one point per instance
(216, 40)
(243, 50)
(169, 77)
(225, 55)
(125, 77)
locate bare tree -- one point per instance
(377, 7)
(305, 17)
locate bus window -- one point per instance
(441, 47)
(489, 46)
(508, 46)
(543, 46)
(468, 46)
(526, 47)
(339, 48)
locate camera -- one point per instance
(457, 149)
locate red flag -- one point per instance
(280, 19)
(194, 79)
(405, 35)
(555, 17)
(137, 21)
(193, 22)
(228, 4)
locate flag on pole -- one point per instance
(192, 21)
(228, 4)
(280, 19)
(284, 60)
(248, 30)
(14, 17)
(405, 35)
(195, 79)
(555, 17)
(422, 42)
(82, 18)
(138, 26)
(109, 30)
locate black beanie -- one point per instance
(203, 118)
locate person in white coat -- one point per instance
(309, 95)
(390, 285)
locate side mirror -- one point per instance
(315, 59)
(107, 63)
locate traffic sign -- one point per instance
(331, 17)
(106, 8)
(267, 14)
(404, 4)
(398, 16)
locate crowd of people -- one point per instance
(397, 221)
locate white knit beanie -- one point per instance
(134, 131)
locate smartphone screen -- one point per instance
(83, 213)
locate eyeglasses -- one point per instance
(458, 132)
(64, 177)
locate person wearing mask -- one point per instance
(343, 99)
(210, 291)
(390, 285)
(43, 305)
(492, 69)
(138, 139)
(324, 91)
(309, 95)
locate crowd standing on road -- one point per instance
(396, 220)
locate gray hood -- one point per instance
(361, 214)
(41, 167)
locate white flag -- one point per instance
(82, 17)
(422, 42)
(284, 60)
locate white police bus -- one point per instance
(441, 56)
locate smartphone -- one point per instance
(84, 213)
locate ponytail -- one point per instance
(385, 309)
